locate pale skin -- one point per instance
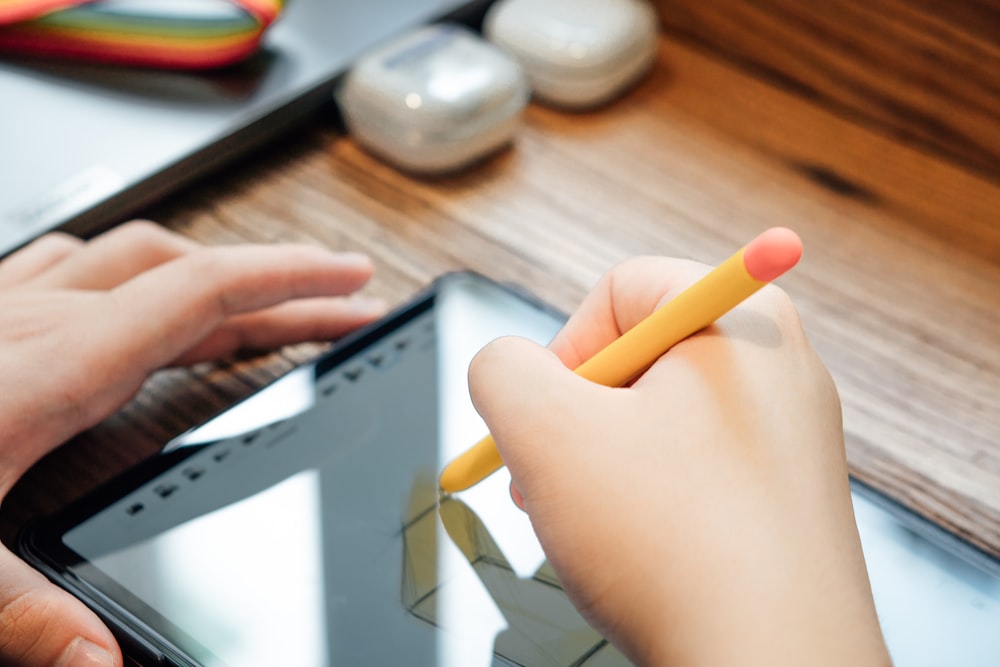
(112, 311)
(701, 516)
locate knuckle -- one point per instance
(12, 613)
(638, 264)
(141, 226)
(779, 300)
(781, 305)
(23, 622)
(58, 242)
(213, 268)
(140, 231)
(148, 239)
(209, 265)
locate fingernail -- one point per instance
(366, 305)
(355, 259)
(84, 653)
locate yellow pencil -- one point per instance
(753, 266)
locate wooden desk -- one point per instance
(899, 287)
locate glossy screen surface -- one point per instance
(306, 528)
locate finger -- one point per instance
(41, 625)
(285, 324)
(37, 257)
(621, 299)
(116, 256)
(539, 413)
(158, 316)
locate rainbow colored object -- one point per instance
(109, 32)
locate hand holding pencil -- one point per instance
(703, 515)
(753, 266)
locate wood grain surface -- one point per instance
(924, 71)
(899, 287)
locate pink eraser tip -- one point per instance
(772, 253)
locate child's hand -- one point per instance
(82, 325)
(703, 515)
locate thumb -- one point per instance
(42, 625)
(531, 403)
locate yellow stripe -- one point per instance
(153, 41)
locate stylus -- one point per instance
(759, 262)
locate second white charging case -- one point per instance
(577, 53)
(434, 100)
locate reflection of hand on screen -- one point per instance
(543, 627)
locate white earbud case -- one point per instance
(577, 53)
(434, 100)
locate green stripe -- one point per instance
(90, 19)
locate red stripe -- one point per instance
(25, 39)
(202, 57)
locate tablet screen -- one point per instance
(303, 527)
(306, 528)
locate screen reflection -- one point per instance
(306, 528)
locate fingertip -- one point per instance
(347, 271)
(366, 307)
(82, 652)
(354, 260)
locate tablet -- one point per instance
(304, 527)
